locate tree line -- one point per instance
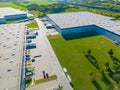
(42, 10)
(53, 8)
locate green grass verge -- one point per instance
(10, 4)
(53, 77)
(32, 25)
(14, 21)
(60, 88)
(70, 54)
(28, 84)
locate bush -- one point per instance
(89, 51)
(110, 52)
(96, 84)
(116, 77)
(28, 80)
(117, 68)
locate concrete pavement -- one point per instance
(44, 86)
(55, 65)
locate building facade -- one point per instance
(7, 14)
(71, 23)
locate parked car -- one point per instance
(27, 55)
(11, 61)
(29, 40)
(27, 58)
(33, 60)
(9, 69)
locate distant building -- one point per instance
(111, 0)
(11, 14)
(70, 23)
(13, 0)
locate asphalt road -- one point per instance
(55, 65)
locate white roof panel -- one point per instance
(77, 19)
(11, 48)
(9, 11)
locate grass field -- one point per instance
(32, 25)
(38, 2)
(39, 81)
(10, 4)
(70, 54)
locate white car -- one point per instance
(11, 61)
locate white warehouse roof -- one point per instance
(77, 19)
(11, 55)
(9, 11)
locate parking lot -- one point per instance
(46, 60)
(40, 55)
(11, 56)
(42, 62)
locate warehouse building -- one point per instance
(12, 56)
(2, 20)
(70, 23)
(11, 14)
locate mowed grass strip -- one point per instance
(39, 81)
(32, 25)
(70, 54)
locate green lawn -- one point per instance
(37, 2)
(70, 54)
(32, 25)
(40, 81)
(5, 4)
(14, 21)
(72, 10)
(10, 4)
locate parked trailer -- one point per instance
(67, 75)
(31, 36)
(30, 45)
(29, 32)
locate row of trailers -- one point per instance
(74, 30)
(29, 70)
(30, 34)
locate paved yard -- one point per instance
(48, 61)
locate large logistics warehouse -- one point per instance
(12, 57)
(11, 14)
(70, 23)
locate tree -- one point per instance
(110, 52)
(107, 65)
(89, 52)
(116, 77)
(117, 68)
(32, 7)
